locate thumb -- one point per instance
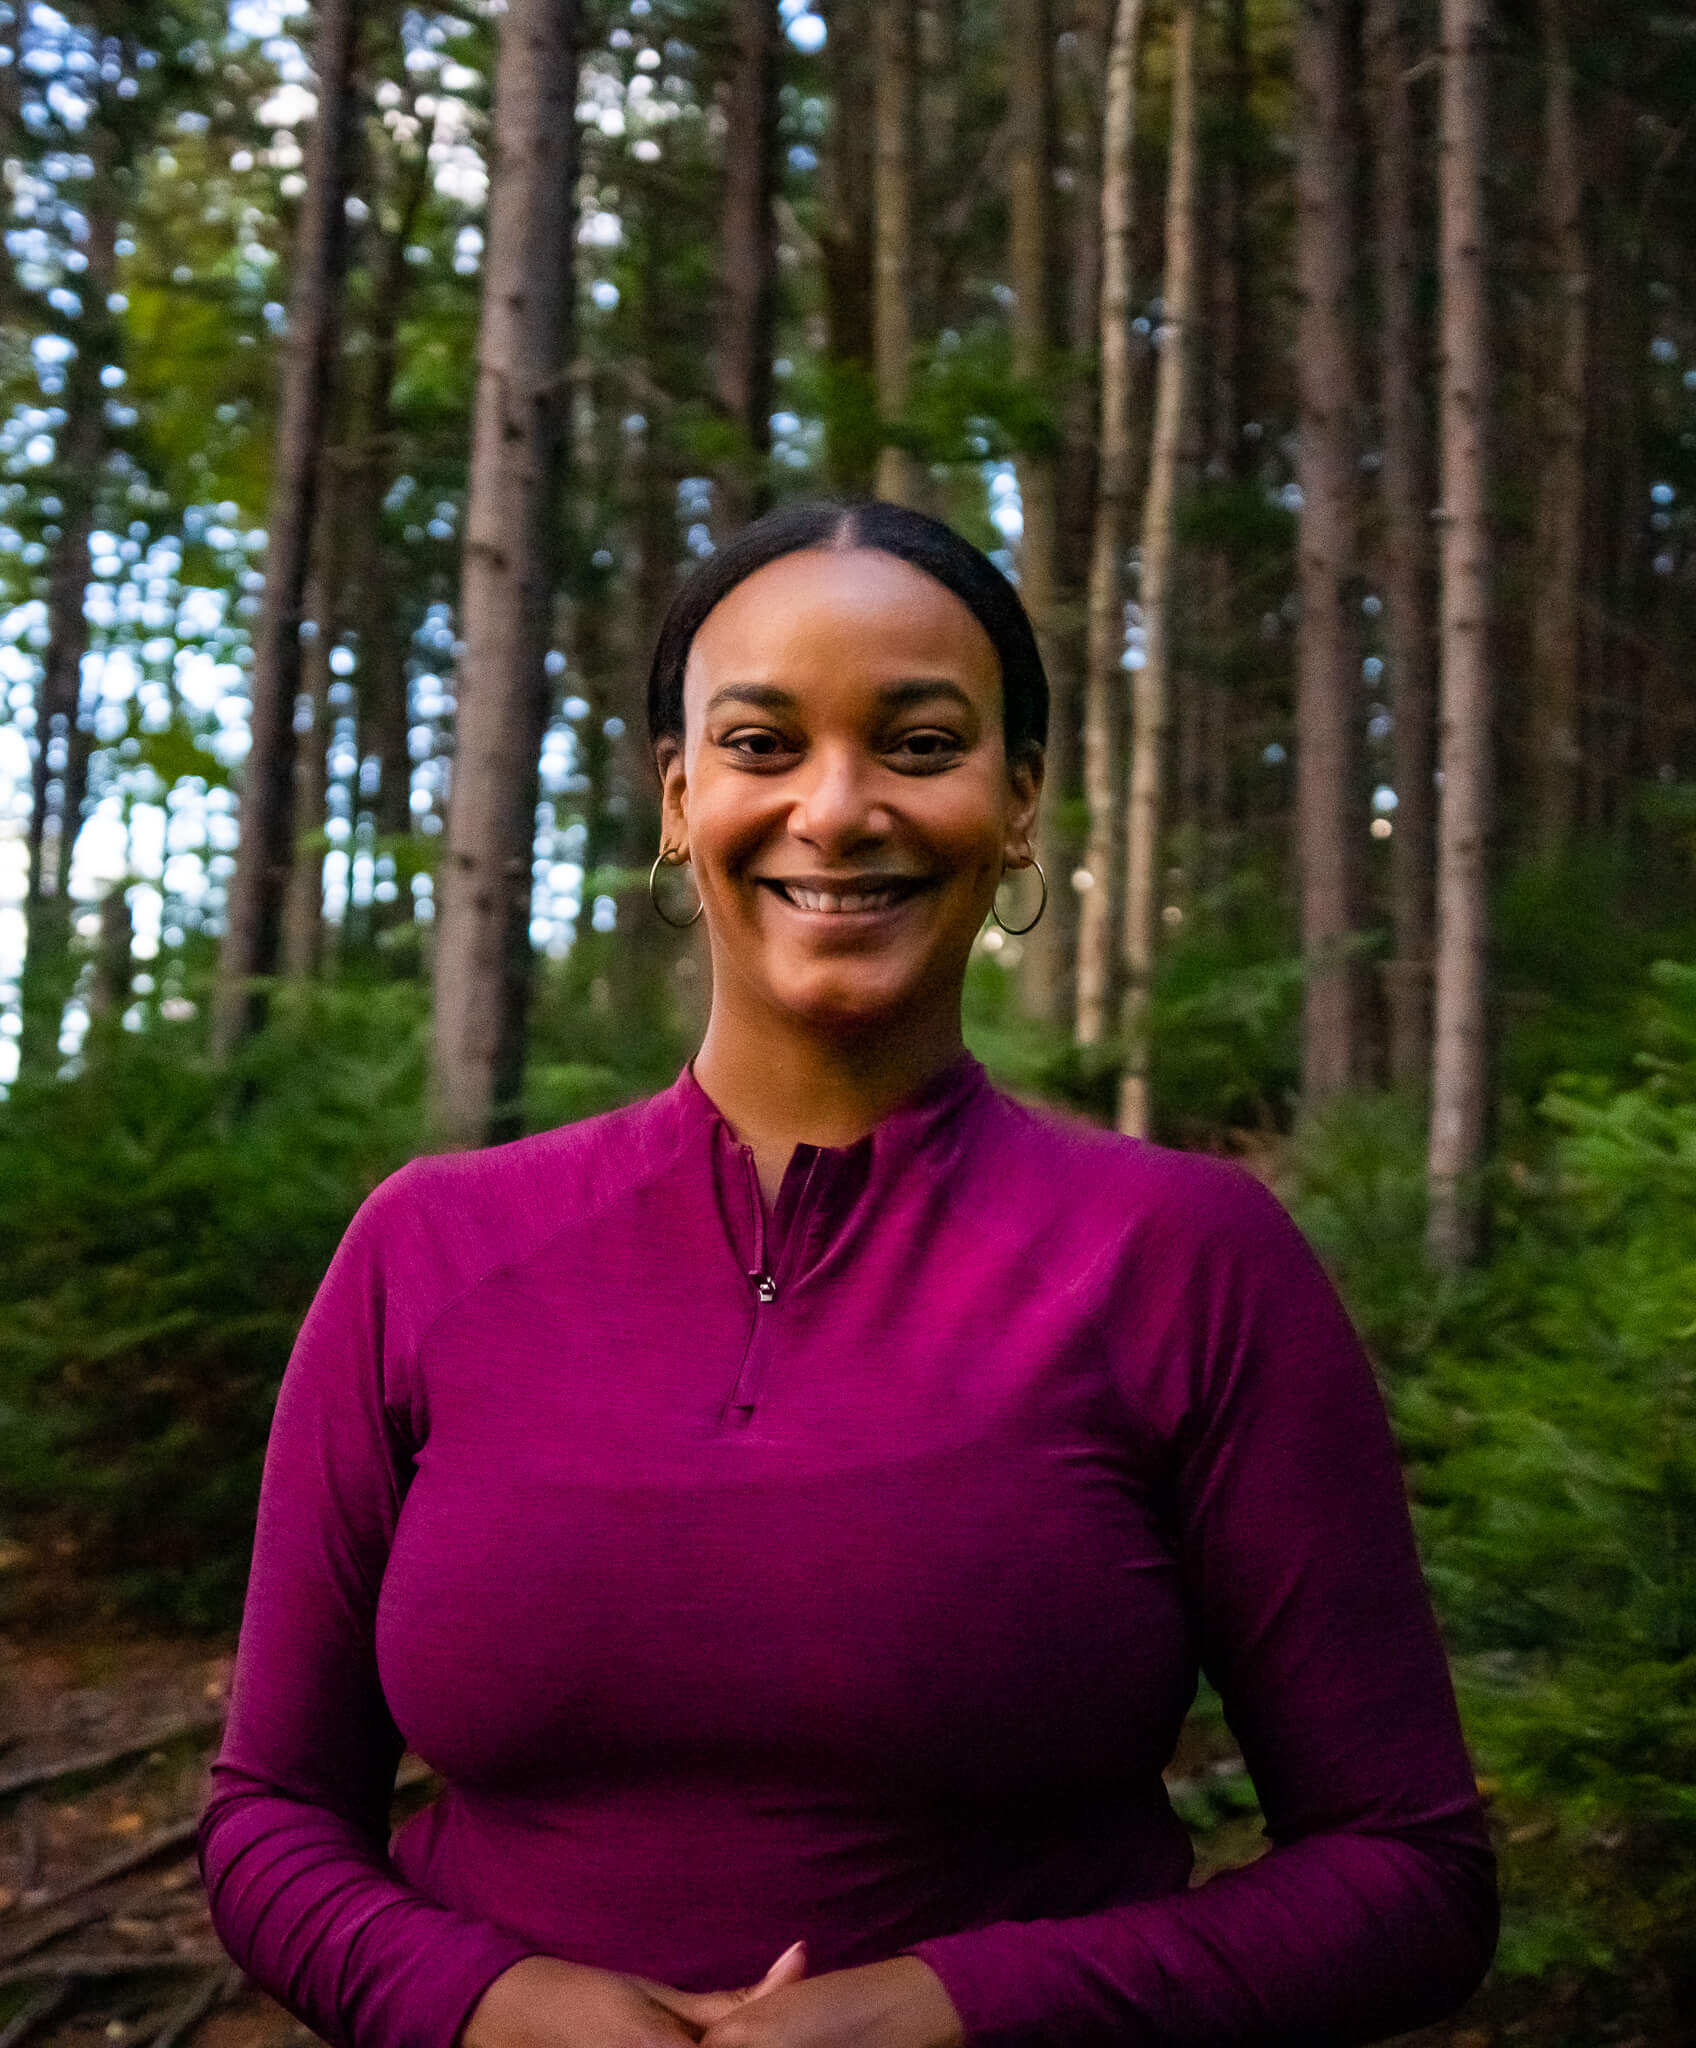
(703, 2009)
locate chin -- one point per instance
(836, 1006)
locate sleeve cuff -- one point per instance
(442, 1990)
(1012, 1989)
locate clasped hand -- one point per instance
(543, 2003)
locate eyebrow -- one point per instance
(773, 697)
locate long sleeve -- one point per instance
(1375, 1910)
(294, 1839)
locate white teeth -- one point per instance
(830, 900)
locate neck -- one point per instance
(779, 1087)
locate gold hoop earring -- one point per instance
(1015, 931)
(665, 854)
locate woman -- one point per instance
(793, 1510)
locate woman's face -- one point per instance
(843, 789)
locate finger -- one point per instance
(702, 2009)
(789, 1968)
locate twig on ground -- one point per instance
(107, 1966)
(50, 1930)
(166, 1841)
(29, 1845)
(14, 1782)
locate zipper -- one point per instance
(738, 1409)
(739, 1405)
(764, 1285)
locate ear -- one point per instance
(674, 820)
(1024, 775)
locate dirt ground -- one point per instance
(104, 1934)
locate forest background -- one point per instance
(1325, 373)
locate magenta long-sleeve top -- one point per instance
(842, 1573)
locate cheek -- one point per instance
(971, 821)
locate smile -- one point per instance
(845, 901)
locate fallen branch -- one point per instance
(168, 1841)
(36, 2014)
(108, 1966)
(63, 1923)
(14, 1782)
(216, 1988)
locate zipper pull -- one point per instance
(765, 1286)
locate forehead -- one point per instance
(838, 618)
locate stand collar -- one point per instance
(905, 1130)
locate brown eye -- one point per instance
(927, 746)
(756, 743)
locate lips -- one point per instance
(845, 899)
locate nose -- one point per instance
(837, 809)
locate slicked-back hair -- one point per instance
(839, 524)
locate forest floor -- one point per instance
(104, 1936)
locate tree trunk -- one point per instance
(1460, 1071)
(1079, 85)
(1329, 823)
(894, 58)
(383, 639)
(1239, 339)
(109, 984)
(747, 301)
(1556, 626)
(1104, 673)
(846, 254)
(303, 905)
(59, 777)
(1030, 211)
(1151, 691)
(482, 950)
(265, 854)
(12, 131)
(1404, 482)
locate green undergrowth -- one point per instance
(1546, 1406)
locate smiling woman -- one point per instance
(851, 777)
(791, 1513)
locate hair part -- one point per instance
(838, 525)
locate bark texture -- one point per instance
(846, 252)
(482, 959)
(747, 302)
(895, 86)
(59, 772)
(383, 637)
(1460, 1094)
(1031, 269)
(303, 905)
(1104, 672)
(1329, 820)
(1080, 77)
(265, 854)
(1152, 686)
(1556, 626)
(1405, 488)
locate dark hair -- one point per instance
(911, 537)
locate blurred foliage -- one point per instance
(1547, 1409)
(165, 1227)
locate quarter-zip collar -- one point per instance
(826, 1189)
